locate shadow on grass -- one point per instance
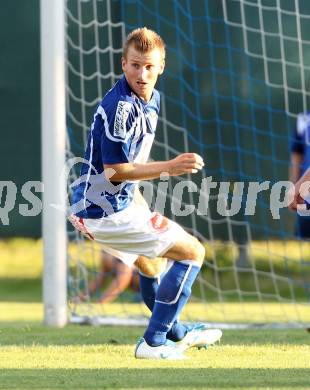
(144, 378)
(30, 333)
(20, 290)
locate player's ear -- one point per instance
(123, 62)
(162, 67)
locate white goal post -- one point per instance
(53, 125)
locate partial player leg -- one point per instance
(172, 294)
(198, 335)
(174, 289)
(150, 274)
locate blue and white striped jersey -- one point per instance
(122, 131)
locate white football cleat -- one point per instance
(199, 336)
(168, 351)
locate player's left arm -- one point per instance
(296, 162)
(184, 163)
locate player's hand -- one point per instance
(298, 194)
(294, 198)
(185, 163)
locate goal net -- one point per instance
(236, 77)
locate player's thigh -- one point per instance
(151, 267)
(189, 248)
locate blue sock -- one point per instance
(148, 289)
(172, 294)
(177, 332)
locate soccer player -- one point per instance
(300, 161)
(109, 208)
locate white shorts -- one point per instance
(132, 232)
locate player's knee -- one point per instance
(188, 249)
(196, 251)
(202, 251)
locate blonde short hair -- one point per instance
(144, 40)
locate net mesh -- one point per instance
(237, 75)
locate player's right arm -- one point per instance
(297, 150)
(183, 164)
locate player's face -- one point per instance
(142, 70)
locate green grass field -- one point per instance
(33, 356)
(83, 357)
